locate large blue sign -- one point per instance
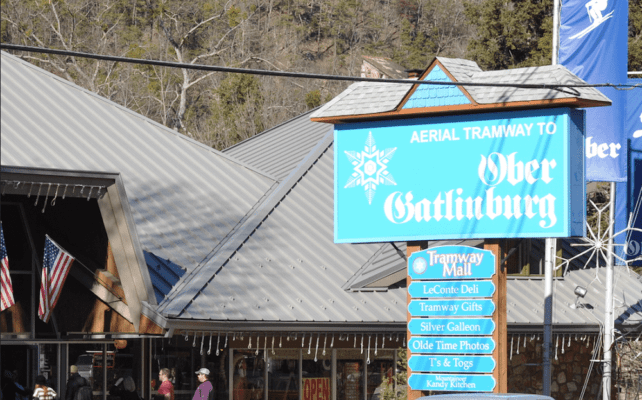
(448, 327)
(451, 262)
(456, 363)
(452, 308)
(516, 174)
(452, 383)
(593, 45)
(451, 289)
(451, 345)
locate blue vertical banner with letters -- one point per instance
(593, 45)
(628, 199)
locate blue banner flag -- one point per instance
(593, 45)
(628, 199)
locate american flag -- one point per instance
(55, 267)
(5, 278)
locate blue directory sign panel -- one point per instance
(451, 262)
(452, 383)
(452, 363)
(447, 293)
(454, 326)
(508, 174)
(450, 345)
(451, 289)
(452, 308)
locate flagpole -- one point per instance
(608, 303)
(556, 32)
(550, 247)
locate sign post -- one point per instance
(501, 333)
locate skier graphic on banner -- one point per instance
(594, 9)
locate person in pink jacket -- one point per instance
(204, 389)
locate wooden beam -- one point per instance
(462, 109)
(500, 336)
(149, 327)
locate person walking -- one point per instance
(204, 389)
(42, 391)
(74, 382)
(166, 388)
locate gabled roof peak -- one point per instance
(385, 100)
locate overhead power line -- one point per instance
(201, 67)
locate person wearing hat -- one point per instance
(43, 392)
(74, 382)
(204, 389)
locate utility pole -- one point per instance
(550, 249)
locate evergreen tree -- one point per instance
(511, 34)
(518, 33)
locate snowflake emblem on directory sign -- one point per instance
(370, 168)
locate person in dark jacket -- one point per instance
(10, 388)
(74, 382)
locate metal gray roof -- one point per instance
(284, 266)
(367, 98)
(289, 268)
(525, 303)
(388, 265)
(279, 150)
(185, 197)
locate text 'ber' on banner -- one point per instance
(593, 46)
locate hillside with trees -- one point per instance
(314, 36)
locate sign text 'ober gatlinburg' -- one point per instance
(492, 170)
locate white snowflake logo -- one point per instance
(370, 168)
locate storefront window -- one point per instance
(123, 361)
(183, 358)
(380, 372)
(283, 375)
(88, 358)
(349, 375)
(48, 363)
(317, 374)
(249, 369)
